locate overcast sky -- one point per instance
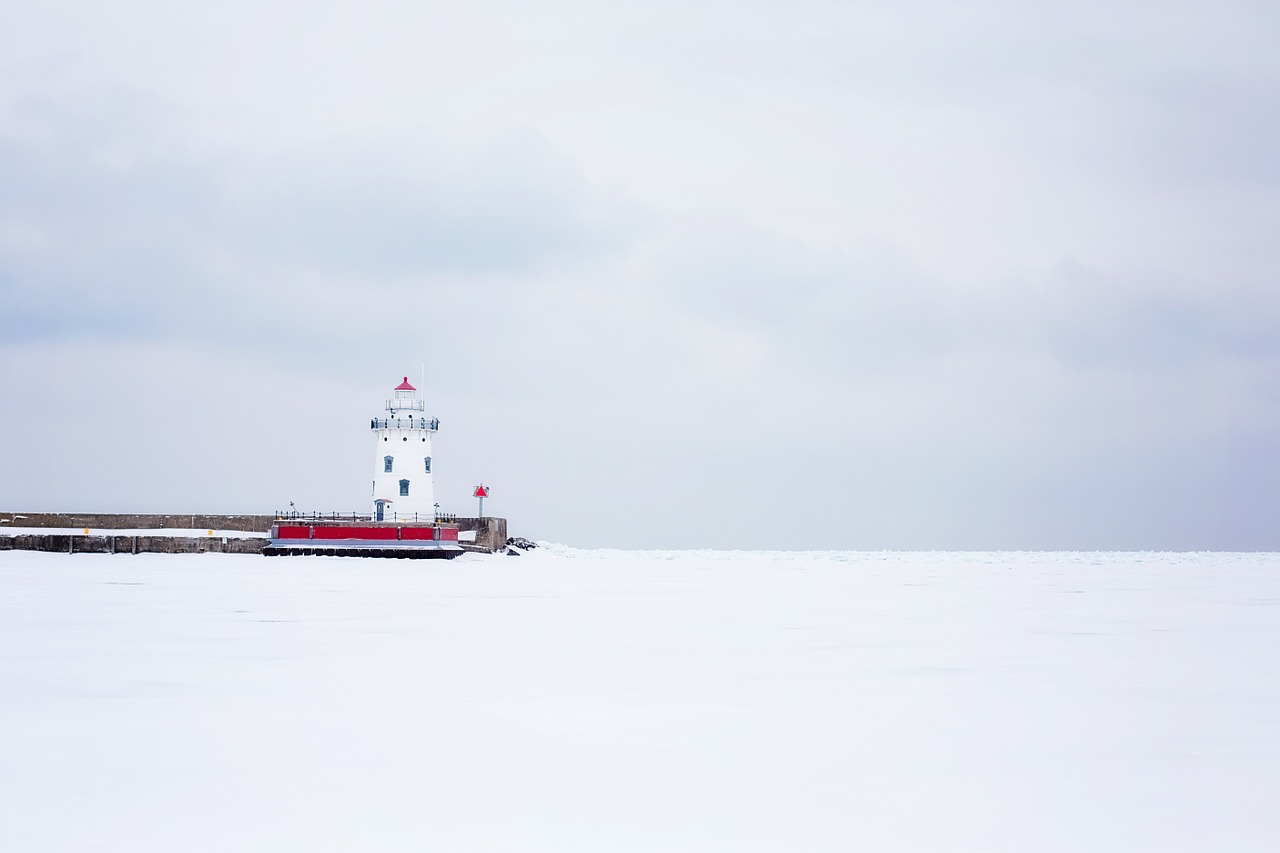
(813, 274)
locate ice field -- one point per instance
(641, 701)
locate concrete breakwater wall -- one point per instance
(70, 543)
(491, 533)
(133, 521)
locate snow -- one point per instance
(570, 700)
(202, 532)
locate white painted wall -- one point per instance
(408, 446)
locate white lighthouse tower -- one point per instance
(402, 487)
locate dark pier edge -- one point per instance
(491, 533)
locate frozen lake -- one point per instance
(624, 701)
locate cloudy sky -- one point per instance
(825, 274)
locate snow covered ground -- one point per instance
(6, 530)
(613, 701)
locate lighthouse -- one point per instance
(402, 487)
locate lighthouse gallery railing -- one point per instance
(404, 423)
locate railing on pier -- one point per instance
(353, 517)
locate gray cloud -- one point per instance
(102, 234)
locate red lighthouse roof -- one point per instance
(405, 386)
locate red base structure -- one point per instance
(437, 541)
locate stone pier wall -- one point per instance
(64, 543)
(130, 521)
(491, 533)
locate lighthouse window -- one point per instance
(404, 488)
(428, 461)
(386, 464)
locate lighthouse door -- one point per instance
(378, 507)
